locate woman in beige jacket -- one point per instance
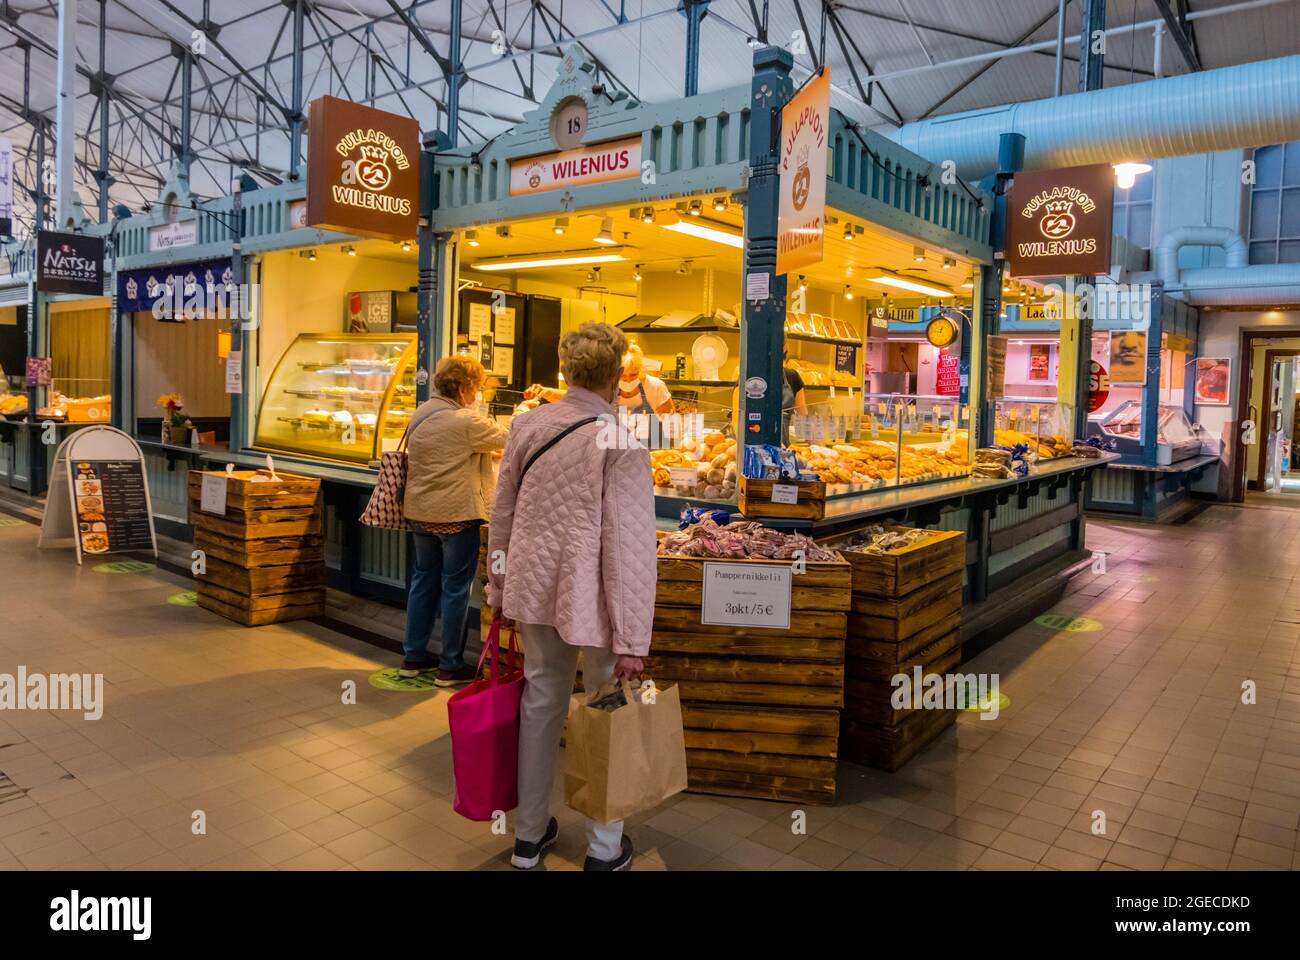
(449, 488)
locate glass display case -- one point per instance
(1046, 427)
(898, 439)
(77, 400)
(1177, 438)
(346, 397)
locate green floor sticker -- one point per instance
(10, 522)
(982, 706)
(1059, 621)
(389, 680)
(187, 599)
(124, 566)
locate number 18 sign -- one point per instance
(747, 595)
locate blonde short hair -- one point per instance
(592, 355)
(457, 374)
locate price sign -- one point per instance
(212, 494)
(785, 493)
(683, 476)
(747, 595)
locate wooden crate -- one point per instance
(755, 499)
(897, 618)
(888, 747)
(905, 613)
(265, 560)
(897, 573)
(761, 707)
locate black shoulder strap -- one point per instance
(552, 442)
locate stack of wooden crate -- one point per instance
(264, 556)
(760, 706)
(906, 613)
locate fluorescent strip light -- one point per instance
(915, 286)
(704, 232)
(560, 260)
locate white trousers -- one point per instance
(550, 669)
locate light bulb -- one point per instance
(1126, 174)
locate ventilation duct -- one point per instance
(1250, 105)
(1165, 256)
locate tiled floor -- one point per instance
(1140, 718)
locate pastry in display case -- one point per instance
(1044, 426)
(1177, 438)
(346, 397)
(62, 407)
(898, 440)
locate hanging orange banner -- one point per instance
(801, 217)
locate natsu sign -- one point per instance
(363, 170)
(801, 217)
(598, 163)
(1059, 221)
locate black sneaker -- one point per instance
(622, 862)
(528, 855)
(410, 669)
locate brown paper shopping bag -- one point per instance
(621, 762)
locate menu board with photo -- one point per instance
(112, 505)
(1213, 375)
(1040, 358)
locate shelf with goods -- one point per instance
(669, 275)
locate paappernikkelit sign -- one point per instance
(69, 263)
(363, 170)
(1059, 221)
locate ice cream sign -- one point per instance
(362, 170)
(597, 163)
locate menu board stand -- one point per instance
(99, 495)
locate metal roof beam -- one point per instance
(1042, 22)
(1176, 26)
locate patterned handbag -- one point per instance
(385, 507)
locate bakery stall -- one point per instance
(330, 384)
(539, 232)
(69, 376)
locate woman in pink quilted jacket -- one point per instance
(571, 558)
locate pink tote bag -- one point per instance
(484, 722)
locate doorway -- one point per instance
(1274, 458)
(1263, 436)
